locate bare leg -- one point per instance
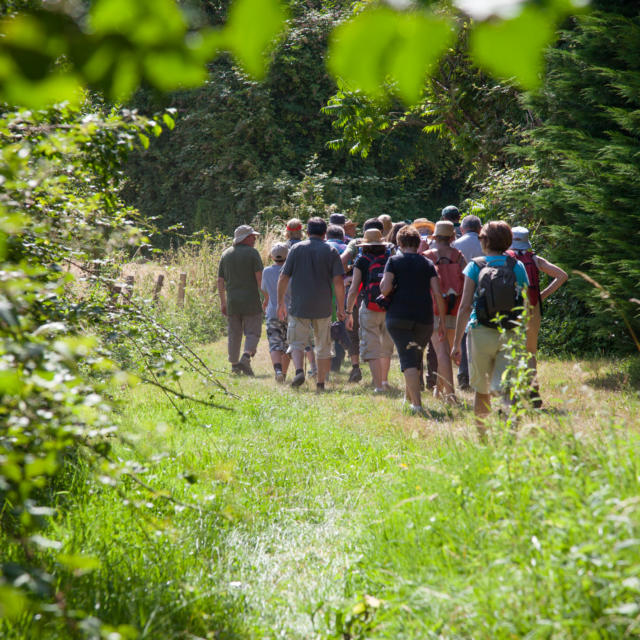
(285, 362)
(376, 376)
(297, 355)
(412, 382)
(481, 409)
(324, 364)
(445, 370)
(385, 365)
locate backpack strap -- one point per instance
(480, 262)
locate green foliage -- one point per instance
(584, 156)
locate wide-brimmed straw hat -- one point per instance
(243, 232)
(520, 240)
(443, 228)
(423, 226)
(372, 238)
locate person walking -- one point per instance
(276, 328)
(239, 282)
(376, 346)
(312, 267)
(495, 277)
(470, 246)
(521, 250)
(452, 214)
(410, 280)
(449, 263)
(348, 258)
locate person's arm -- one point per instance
(354, 288)
(386, 284)
(442, 310)
(338, 288)
(346, 257)
(283, 283)
(265, 300)
(223, 296)
(559, 276)
(464, 311)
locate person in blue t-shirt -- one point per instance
(486, 344)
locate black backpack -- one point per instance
(497, 294)
(371, 283)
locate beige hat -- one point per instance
(243, 232)
(444, 228)
(372, 237)
(279, 251)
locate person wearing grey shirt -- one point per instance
(312, 267)
(469, 244)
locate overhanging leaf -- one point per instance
(381, 45)
(514, 48)
(251, 29)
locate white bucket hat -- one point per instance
(242, 232)
(520, 240)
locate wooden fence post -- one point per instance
(181, 289)
(158, 288)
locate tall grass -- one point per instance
(335, 516)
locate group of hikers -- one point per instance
(452, 289)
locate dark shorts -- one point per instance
(410, 338)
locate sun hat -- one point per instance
(295, 224)
(424, 226)
(372, 238)
(279, 251)
(337, 218)
(443, 228)
(520, 240)
(243, 232)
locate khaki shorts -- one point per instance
(487, 358)
(301, 332)
(375, 341)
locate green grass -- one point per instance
(335, 516)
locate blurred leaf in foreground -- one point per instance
(381, 46)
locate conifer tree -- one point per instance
(587, 153)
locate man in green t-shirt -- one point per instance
(239, 282)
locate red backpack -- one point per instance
(450, 277)
(533, 273)
(370, 286)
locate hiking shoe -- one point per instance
(236, 369)
(245, 366)
(298, 379)
(313, 372)
(280, 377)
(355, 375)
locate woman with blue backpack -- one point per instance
(491, 299)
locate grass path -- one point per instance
(335, 515)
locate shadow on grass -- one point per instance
(624, 375)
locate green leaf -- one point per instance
(79, 563)
(144, 140)
(12, 602)
(251, 30)
(514, 48)
(169, 70)
(422, 40)
(169, 121)
(381, 45)
(10, 383)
